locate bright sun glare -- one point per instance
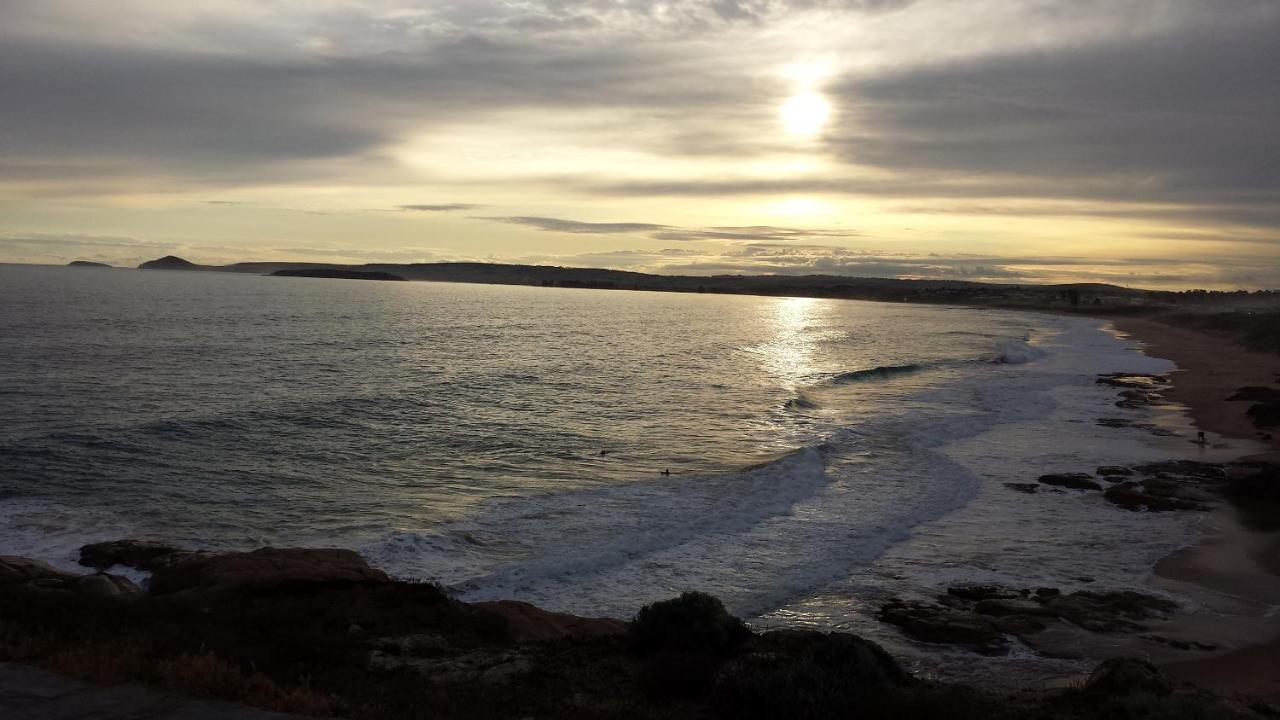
(805, 113)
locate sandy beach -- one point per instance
(1233, 571)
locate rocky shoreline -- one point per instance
(319, 631)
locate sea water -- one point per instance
(586, 450)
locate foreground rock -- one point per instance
(137, 554)
(528, 622)
(19, 573)
(320, 633)
(264, 568)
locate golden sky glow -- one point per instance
(1123, 141)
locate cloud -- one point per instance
(447, 207)
(1178, 117)
(750, 233)
(573, 226)
(754, 233)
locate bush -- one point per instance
(678, 675)
(810, 675)
(695, 622)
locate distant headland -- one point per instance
(1099, 298)
(338, 274)
(87, 263)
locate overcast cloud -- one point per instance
(1133, 129)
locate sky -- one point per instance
(1126, 141)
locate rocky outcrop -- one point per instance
(137, 554)
(946, 625)
(262, 568)
(1153, 495)
(1265, 415)
(1075, 481)
(978, 617)
(24, 571)
(19, 573)
(1256, 393)
(528, 622)
(1137, 390)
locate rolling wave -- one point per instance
(881, 372)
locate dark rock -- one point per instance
(1133, 380)
(1116, 611)
(1012, 607)
(1259, 482)
(1132, 496)
(1048, 592)
(1021, 625)
(983, 592)
(1118, 677)
(1127, 423)
(1256, 393)
(1108, 471)
(16, 570)
(1190, 468)
(1180, 644)
(527, 622)
(940, 624)
(1077, 481)
(139, 554)
(1023, 487)
(1265, 415)
(262, 568)
(1134, 399)
(104, 586)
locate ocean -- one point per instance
(585, 450)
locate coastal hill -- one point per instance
(337, 274)
(172, 262)
(87, 263)
(1093, 297)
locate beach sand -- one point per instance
(1233, 571)
(1210, 369)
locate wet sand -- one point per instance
(1210, 369)
(1232, 572)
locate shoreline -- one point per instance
(1230, 569)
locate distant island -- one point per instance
(87, 263)
(339, 274)
(173, 262)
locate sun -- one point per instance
(805, 113)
